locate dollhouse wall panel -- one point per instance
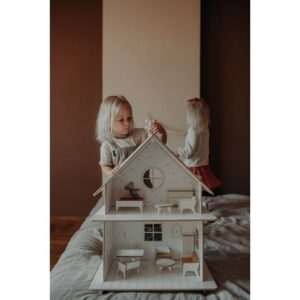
(153, 156)
(106, 199)
(198, 194)
(109, 201)
(199, 245)
(108, 247)
(130, 235)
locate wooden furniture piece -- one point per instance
(126, 266)
(162, 252)
(187, 203)
(130, 253)
(190, 263)
(160, 207)
(130, 202)
(188, 243)
(174, 194)
(165, 263)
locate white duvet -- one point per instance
(226, 250)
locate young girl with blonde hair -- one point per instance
(117, 135)
(195, 151)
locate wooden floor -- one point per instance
(61, 230)
(153, 280)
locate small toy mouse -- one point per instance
(132, 190)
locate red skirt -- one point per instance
(206, 175)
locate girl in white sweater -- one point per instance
(195, 152)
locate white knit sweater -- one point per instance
(195, 152)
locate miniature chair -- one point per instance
(162, 252)
(126, 266)
(187, 203)
(190, 263)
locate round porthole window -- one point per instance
(153, 178)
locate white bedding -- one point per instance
(226, 249)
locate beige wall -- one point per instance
(151, 55)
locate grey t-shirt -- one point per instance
(114, 152)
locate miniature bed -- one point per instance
(125, 200)
(130, 202)
(226, 251)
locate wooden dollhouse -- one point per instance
(153, 240)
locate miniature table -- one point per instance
(160, 207)
(130, 253)
(165, 263)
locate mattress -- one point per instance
(130, 199)
(226, 251)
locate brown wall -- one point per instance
(225, 75)
(76, 89)
(75, 98)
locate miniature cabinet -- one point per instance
(188, 243)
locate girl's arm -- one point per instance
(106, 161)
(109, 170)
(190, 145)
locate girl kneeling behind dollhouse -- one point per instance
(117, 135)
(195, 152)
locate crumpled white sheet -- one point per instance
(226, 250)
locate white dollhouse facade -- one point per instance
(153, 241)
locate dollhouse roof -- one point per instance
(153, 138)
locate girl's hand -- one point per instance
(155, 127)
(176, 154)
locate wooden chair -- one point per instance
(190, 263)
(162, 252)
(187, 203)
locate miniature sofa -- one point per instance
(126, 266)
(162, 252)
(190, 263)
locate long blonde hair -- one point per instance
(197, 114)
(107, 112)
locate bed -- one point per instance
(226, 250)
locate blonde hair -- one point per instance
(107, 112)
(197, 114)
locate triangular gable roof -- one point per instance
(151, 138)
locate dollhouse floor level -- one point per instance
(153, 280)
(150, 214)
